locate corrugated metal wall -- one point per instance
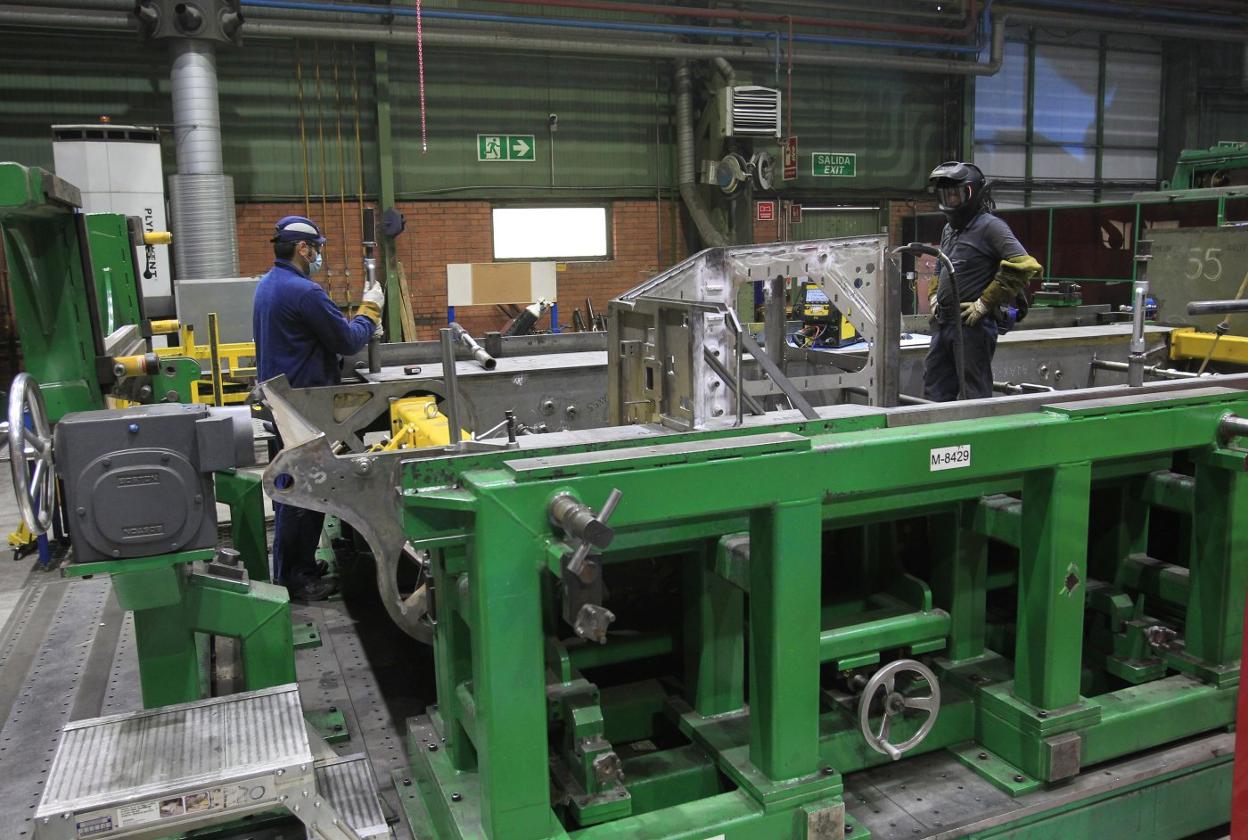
(609, 113)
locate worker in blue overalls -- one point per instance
(300, 332)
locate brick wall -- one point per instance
(442, 232)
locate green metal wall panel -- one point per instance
(609, 114)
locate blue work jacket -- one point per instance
(300, 332)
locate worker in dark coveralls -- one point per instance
(992, 271)
(300, 332)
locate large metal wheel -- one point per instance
(30, 454)
(895, 705)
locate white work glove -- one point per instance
(931, 304)
(375, 294)
(972, 313)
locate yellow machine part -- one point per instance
(415, 422)
(237, 358)
(1190, 343)
(157, 237)
(22, 537)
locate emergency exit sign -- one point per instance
(833, 165)
(506, 147)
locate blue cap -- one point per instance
(298, 229)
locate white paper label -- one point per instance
(951, 457)
(138, 813)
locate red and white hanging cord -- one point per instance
(420, 63)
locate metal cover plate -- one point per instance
(142, 755)
(694, 450)
(348, 783)
(1110, 405)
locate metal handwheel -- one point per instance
(35, 490)
(895, 705)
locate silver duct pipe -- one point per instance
(201, 197)
(633, 47)
(686, 158)
(196, 117)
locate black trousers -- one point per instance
(296, 536)
(940, 373)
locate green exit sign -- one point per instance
(833, 165)
(514, 147)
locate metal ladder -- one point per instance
(166, 771)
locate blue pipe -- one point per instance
(1154, 14)
(661, 28)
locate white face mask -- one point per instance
(316, 263)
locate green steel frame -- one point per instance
(176, 606)
(789, 561)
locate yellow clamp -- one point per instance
(157, 237)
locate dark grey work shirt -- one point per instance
(976, 252)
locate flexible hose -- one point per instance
(959, 357)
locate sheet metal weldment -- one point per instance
(662, 331)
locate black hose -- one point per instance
(959, 357)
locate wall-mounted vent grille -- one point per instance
(751, 111)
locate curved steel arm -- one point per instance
(361, 490)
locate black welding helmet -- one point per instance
(960, 189)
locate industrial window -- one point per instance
(1093, 131)
(551, 233)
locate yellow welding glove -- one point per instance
(1012, 278)
(370, 310)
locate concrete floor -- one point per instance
(13, 575)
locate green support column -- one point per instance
(1051, 585)
(244, 494)
(785, 600)
(1219, 574)
(257, 614)
(960, 584)
(715, 616)
(169, 670)
(509, 687)
(385, 178)
(452, 644)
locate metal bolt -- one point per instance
(164, 459)
(827, 771)
(407, 783)
(1019, 777)
(455, 797)
(82, 511)
(106, 463)
(362, 466)
(133, 428)
(849, 829)
(983, 756)
(433, 748)
(1042, 713)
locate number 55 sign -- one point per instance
(1196, 263)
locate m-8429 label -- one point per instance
(951, 457)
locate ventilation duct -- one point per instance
(201, 196)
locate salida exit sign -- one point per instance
(833, 164)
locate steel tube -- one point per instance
(1217, 307)
(450, 378)
(1233, 426)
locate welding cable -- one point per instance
(359, 149)
(303, 132)
(958, 341)
(342, 171)
(320, 127)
